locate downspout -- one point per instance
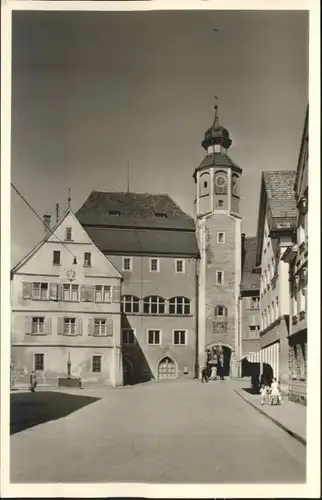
(197, 318)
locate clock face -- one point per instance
(71, 275)
(221, 180)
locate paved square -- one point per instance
(159, 432)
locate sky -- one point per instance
(92, 91)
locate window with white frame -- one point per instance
(272, 268)
(40, 291)
(56, 258)
(180, 266)
(180, 337)
(220, 311)
(128, 336)
(153, 305)
(179, 305)
(253, 303)
(102, 293)
(39, 362)
(269, 318)
(99, 327)
(154, 265)
(96, 363)
(154, 337)
(221, 237)
(71, 292)
(68, 234)
(219, 277)
(253, 332)
(69, 326)
(37, 325)
(269, 272)
(130, 304)
(127, 264)
(87, 259)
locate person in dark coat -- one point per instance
(33, 381)
(204, 375)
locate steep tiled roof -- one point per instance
(250, 280)
(279, 186)
(112, 240)
(217, 160)
(133, 210)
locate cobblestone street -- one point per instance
(159, 432)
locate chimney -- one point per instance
(57, 212)
(243, 250)
(47, 222)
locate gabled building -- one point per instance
(249, 297)
(152, 243)
(66, 316)
(218, 229)
(297, 257)
(275, 233)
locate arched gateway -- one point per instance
(167, 369)
(225, 354)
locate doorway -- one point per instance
(167, 369)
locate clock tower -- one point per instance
(218, 229)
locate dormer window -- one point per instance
(114, 212)
(68, 235)
(160, 215)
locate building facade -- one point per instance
(66, 314)
(152, 243)
(249, 304)
(218, 230)
(275, 232)
(297, 257)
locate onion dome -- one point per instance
(216, 134)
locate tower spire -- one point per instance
(216, 119)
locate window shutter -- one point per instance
(60, 325)
(90, 326)
(79, 326)
(26, 290)
(53, 291)
(28, 326)
(109, 327)
(60, 292)
(116, 290)
(47, 325)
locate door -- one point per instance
(167, 369)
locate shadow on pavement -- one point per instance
(250, 390)
(30, 409)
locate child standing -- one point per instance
(276, 392)
(265, 393)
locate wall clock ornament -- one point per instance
(70, 274)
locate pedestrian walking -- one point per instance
(33, 381)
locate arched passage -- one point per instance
(221, 354)
(167, 369)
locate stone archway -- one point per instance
(227, 358)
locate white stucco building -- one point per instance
(66, 313)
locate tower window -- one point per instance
(127, 264)
(219, 277)
(205, 184)
(220, 203)
(220, 237)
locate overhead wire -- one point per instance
(40, 218)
